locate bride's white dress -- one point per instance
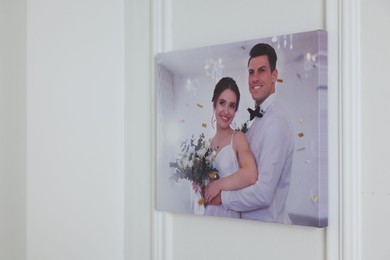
(226, 163)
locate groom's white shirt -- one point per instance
(271, 139)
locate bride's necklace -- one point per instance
(217, 144)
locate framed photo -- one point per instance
(186, 126)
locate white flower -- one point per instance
(190, 163)
(180, 164)
(212, 156)
(191, 150)
(202, 151)
(184, 162)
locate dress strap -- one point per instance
(231, 140)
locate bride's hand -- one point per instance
(196, 187)
(212, 190)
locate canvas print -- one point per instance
(241, 130)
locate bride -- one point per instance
(234, 160)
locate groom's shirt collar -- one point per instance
(267, 103)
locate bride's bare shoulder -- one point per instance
(240, 138)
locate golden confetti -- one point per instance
(280, 80)
(201, 201)
(213, 175)
(199, 105)
(315, 198)
(301, 134)
(204, 125)
(245, 165)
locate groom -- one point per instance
(271, 139)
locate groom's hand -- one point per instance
(217, 200)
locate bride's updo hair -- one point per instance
(225, 83)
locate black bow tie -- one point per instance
(254, 113)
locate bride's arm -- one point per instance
(245, 176)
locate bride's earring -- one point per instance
(233, 125)
(213, 121)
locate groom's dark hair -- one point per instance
(261, 49)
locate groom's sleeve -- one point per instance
(275, 147)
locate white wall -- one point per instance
(139, 154)
(12, 129)
(75, 129)
(375, 129)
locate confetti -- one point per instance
(213, 175)
(301, 134)
(201, 201)
(315, 198)
(204, 125)
(279, 80)
(300, 149)
(199, 105)
(245, 165)
(181, 121)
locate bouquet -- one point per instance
(195, 163)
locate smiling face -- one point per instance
(225, 108)
(261, 80)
